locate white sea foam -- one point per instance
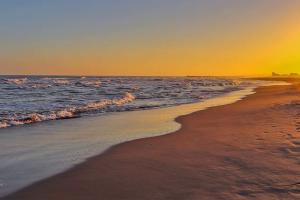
(40, 86)
(61, 81)
(14, 122)
(69, 112)
(127, 98)
(64, 114)
(90, 83)
(58, 81)
(4, 125)
(17, 81)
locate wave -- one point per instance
(128, 97)
(37, 84)
(57, 81)
(40, 86)
(50, 82)
(61, 82)
(17, 81)
(89, 83)
(66, 113)
(4, 125)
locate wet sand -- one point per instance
(246, 150)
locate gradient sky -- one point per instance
(149, 37)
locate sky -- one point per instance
(149, 37)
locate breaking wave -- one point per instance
(66, 113)
(17, 81)
(89, 83)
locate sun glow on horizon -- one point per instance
(150, 38)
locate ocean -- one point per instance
(32, 99)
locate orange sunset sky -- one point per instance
(141, 37)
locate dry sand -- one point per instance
(246, 150)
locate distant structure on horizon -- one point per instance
(291, 74)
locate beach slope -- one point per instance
(246, 150)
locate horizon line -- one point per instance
(82, 75)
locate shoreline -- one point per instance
(32, 192)
(61, 145)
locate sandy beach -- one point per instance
(246, 150)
